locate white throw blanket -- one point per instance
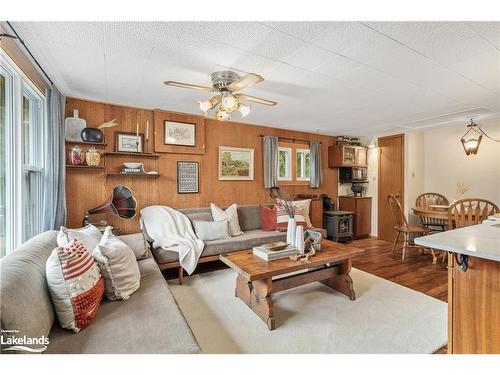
(172, 230)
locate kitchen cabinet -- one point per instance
(347, 156)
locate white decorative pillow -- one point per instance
(75, 284)
(118, 266)
(211, 230)
(230, 214)
(88, 236)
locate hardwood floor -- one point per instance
(417, 271)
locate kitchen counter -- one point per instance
(481, 241)
(473, 286)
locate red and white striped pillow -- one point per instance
(282, 217)
(75, 285)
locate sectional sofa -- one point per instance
(148, 322)
(250, 223)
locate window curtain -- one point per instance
(54, 192)
(316, 175)
(270, 145)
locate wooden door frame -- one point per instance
(383, 200)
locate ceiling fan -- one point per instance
(226, 84)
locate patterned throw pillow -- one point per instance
(282, 217)
(75, 285)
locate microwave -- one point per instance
(352, 174)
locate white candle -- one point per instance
(137, 130)
(147, 130)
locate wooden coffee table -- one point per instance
(255, 284)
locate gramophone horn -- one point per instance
(121, 203)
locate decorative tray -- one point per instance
(275, 246)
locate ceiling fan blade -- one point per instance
(188, 86)
(247, 80)
(256, 99)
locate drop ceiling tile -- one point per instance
(341, 36)
(309, 57)
(242, 35)
(277, 45)
(374, 48)
(370, 78)
(338, 67)
(488, 30)
(305, 31)
(483, 69)
(406, 32)
(451, 43)
(134, 38)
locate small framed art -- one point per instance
(188, 177)
(180, 133)
(129, 142)
(235, 163)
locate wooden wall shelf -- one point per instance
(133, 175)
(86, 143)
(82, 167)
(143, 155)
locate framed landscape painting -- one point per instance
(235, 163)
(180, 133)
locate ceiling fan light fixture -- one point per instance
(229, 102)
(244, 109)
(222, 115)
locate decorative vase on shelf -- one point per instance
(76, 156)
(93, 157)
(299, 239)
(290, 232)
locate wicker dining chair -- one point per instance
(470, 211)
(403, 229)
(427, 199)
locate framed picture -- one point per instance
(235, 163)
(180, 133)
(129, 142)
(188, 177)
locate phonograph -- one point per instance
(121, 203)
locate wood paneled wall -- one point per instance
(85, 189)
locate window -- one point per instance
(3, 160)
(303, 164)
(32, 133)
(22, 122)
(284, 164)
(294, 167)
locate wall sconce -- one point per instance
(373, 143)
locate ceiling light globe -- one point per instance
(229, 102)
(222, 116)
(244, 110)
(205, 106)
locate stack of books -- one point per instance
(266, 254)
(132, 170)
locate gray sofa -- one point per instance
(148, 322)
(250, 223)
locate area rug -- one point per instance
(385, 318)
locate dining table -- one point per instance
(434, 211)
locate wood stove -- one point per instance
(338, 225)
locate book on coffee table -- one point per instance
(265, 253)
